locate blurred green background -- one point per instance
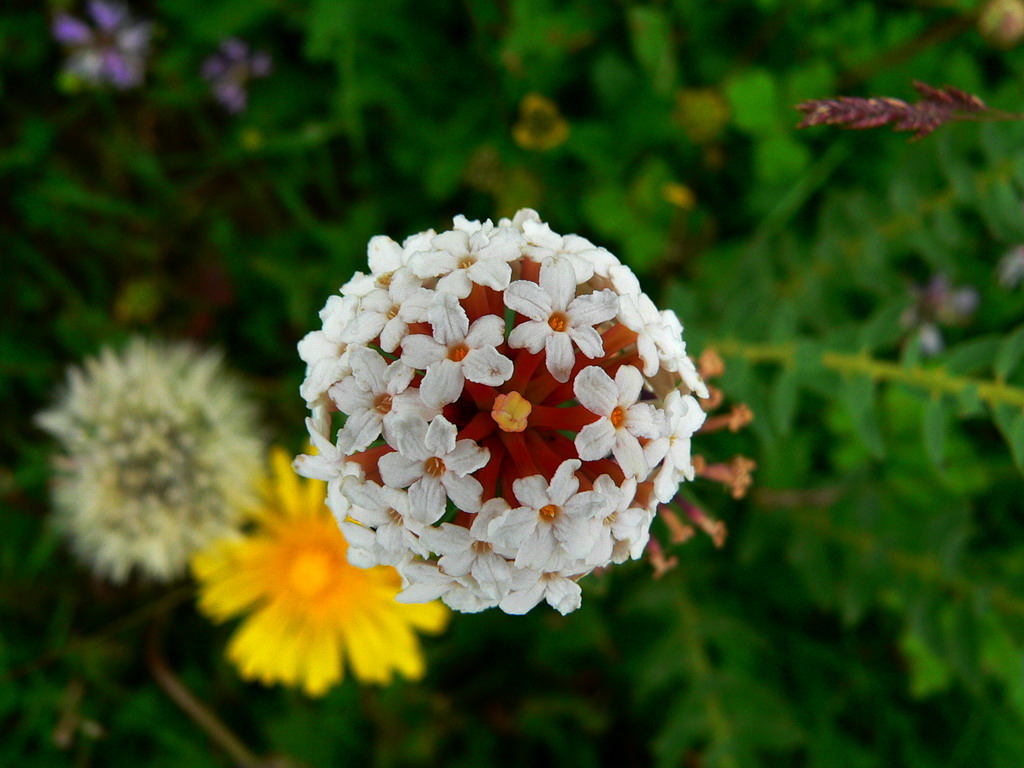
(868, 606)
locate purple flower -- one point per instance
(935, 304)
(112, 51)
(230, 70)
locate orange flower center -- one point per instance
(618, 416)
(383, 403)
(310, 572)
(434, 466)
(558, 321)
(549, 512)
(511, 412)
(458, 353)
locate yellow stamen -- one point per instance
(618, 416)
(383, 403)
(458, 352)
(549, 512)
(558, 321)
(434, 466)
(511, 412)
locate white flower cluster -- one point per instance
(497, 410)
(160, 455)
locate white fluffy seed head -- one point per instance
(159, 458)
(441, 376)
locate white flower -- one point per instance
(469, 552)
(456, 352)
(371, 397)
(554, 525)
(474, 493)
(685, 417)
(387, 312)
(160, 457)
(625, 529)
(424, 583)
(469, 254)
(325, 352)
(583, 256)
(558, 318)
(384, 532)
(432, 464)
(623, 420)
(529, 588)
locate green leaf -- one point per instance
(752, 96)
(1010, 421)
(859, 395)
(1010, 354)
(935, 430)
(783, 399)
(651, 35)
(972, 356)
(780, 158)
(928, 672)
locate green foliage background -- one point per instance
(868, 607)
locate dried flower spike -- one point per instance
(514, 411)
(937, 107)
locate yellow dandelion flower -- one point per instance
(540, 126)
(308, 608)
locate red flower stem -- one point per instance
(571, 419)
(368, 459)
(510, 472)
(487, 476)
(530, 270)
(523, 368)
(479, 427)
(542, 387)
(548, 458)
(483, 395)
(516, 446)
(616, 338)
(476, 304)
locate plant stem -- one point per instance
(201, 715)
(935, 380)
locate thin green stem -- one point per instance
(936, 380)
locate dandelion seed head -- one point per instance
(159, 452)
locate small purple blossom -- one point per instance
(231, 69)
(111, 51)
(938, 303)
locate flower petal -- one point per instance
(596, 391)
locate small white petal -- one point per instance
(442, 383)
(596, 391)
(558, 356)
(528, 299)
(531, 335)
(594, 308)
(487, 366)
(595, 440)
